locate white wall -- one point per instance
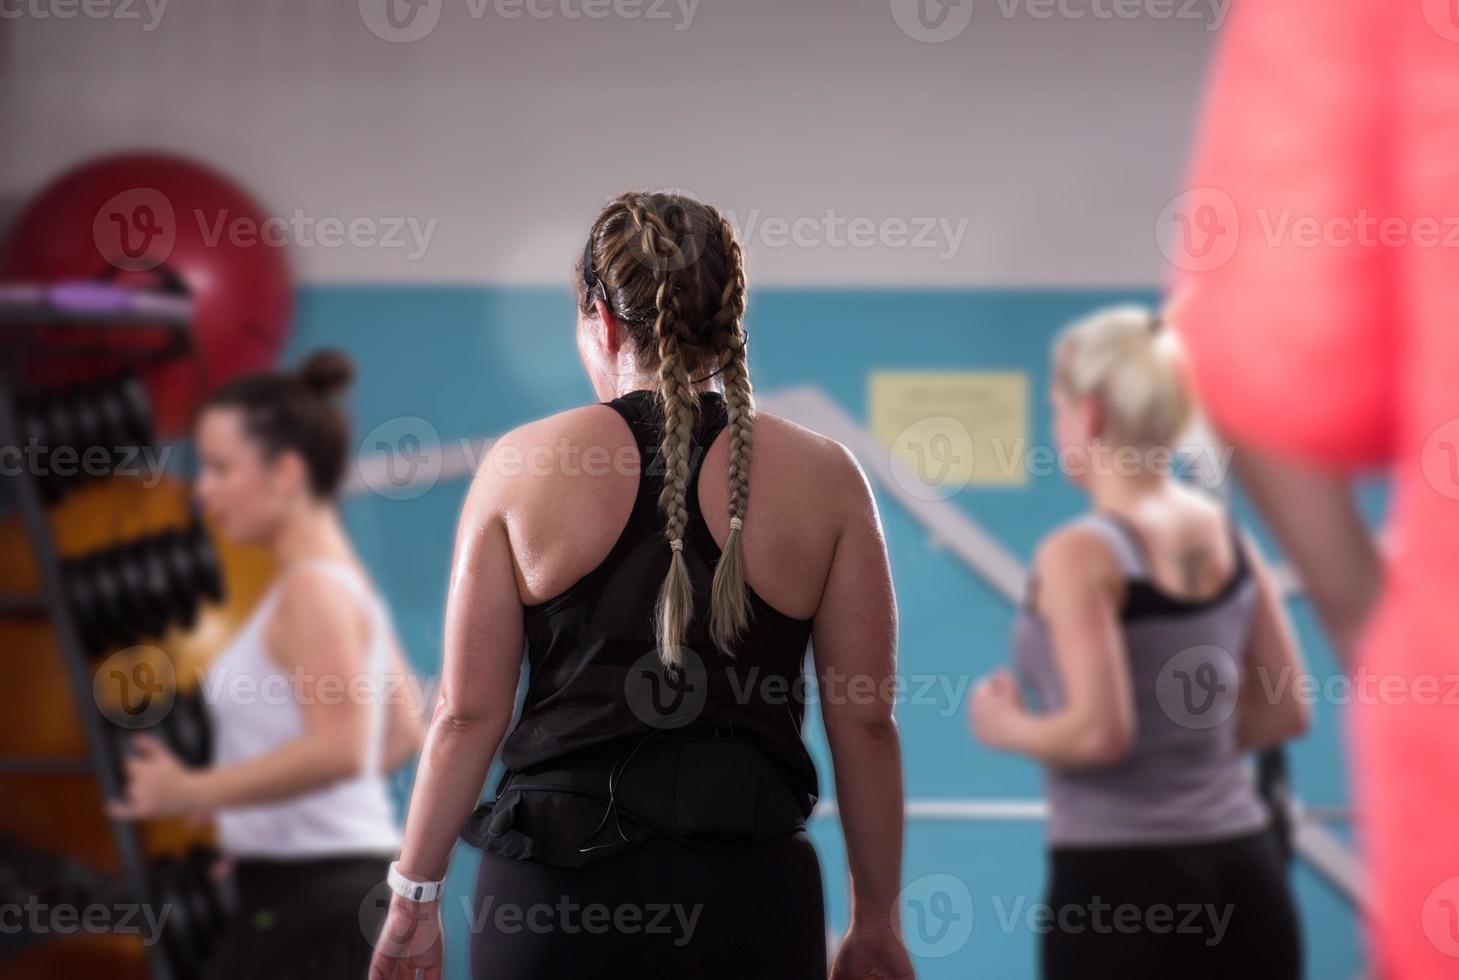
(1057, 140)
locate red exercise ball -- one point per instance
(149, 218)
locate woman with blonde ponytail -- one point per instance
(656, 769)
(1151, 637)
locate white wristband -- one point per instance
(415, 891)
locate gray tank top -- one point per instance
(1184, 778)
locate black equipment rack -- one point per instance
(54, 323)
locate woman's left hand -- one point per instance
(994, 708)
(158, 784)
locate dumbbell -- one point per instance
(82, 600)
(52, 879)
(198, 909)
(220, 900)
(186, 729)
(112, 416)
(126, 413)
(137, 589)
(187, 934)
(208, 572)
(30, 875)
(144, 576)
(95, 580)
(104, 615)
(193, 569)
(45, 425)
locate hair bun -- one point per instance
(328, 372)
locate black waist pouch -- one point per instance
(716, 790)
(701, 791)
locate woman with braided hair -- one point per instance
(650, 821)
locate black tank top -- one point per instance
(596, 690)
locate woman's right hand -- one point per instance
(872, 953)
(410, 940)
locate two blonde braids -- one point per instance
(729, 606)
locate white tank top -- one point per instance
(254, 711)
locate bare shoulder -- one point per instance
(812, 461)
(314, 614)
(1075, 552)
(1201, 506)
(571, 441)
(306, 589)
(782, 433)
(551, 441)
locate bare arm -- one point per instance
(1315, 518)
(481, 665)
(479, 672)
(1270, 708)
(316, 636)
(1079, 597)
(317, 639)
(854, 637)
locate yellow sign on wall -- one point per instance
(953, 429)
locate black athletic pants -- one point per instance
(313, 919)
(660, 910)
(1210, 911)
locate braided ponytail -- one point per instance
(675, 606)
(672, 272)
(729, 611)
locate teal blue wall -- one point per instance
(475, 361)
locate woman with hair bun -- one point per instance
(1156, 645)
(664, 562)
(310, 701)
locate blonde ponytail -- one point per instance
(729, 611)
(1124, 357)
(675, 606)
